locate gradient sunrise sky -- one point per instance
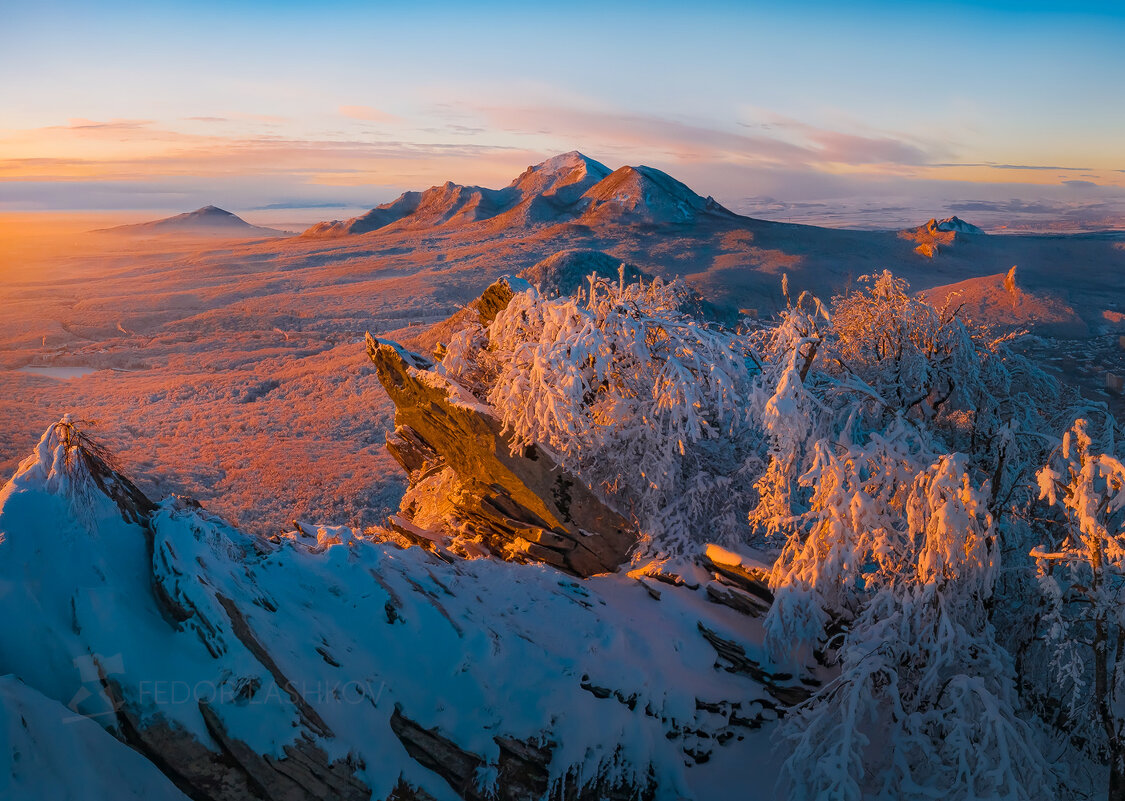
(804, 109)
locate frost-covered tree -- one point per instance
(642, 400)
(884, 448)
(1082, 575)
(892, 543)
(925, 703)
(882, 354)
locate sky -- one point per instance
(844, 113)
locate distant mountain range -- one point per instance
(567, 188)
(451, 239)
(207, 221)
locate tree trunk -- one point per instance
(1116, 774)
(1102, 686)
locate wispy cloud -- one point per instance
(1033, 167)
(157, 165)
(109, 125)
(843, 148)
(368, 114)
(786, 144)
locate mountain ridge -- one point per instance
(567, 188)
(177, 630)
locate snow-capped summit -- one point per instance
(564, 177)
(644, 194)
(955, 224)
(210, 213)
(569, 187)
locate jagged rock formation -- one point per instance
(935, 234)
(332, 664)
(122, 568)
(521, 506)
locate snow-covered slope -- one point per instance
(382, 215)
(564, 177)
(646, 195)
(331, 664)
(549, 192)
(55, 754)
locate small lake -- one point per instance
(58, 373)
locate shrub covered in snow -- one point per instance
(888, 450)
(642, 400)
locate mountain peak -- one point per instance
(563, 177)
(207, 220)
(567, 187)
(567, 161)
(69, 463)
(645, 194)
(957, 225)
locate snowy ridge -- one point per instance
(335, 649)
(647, 195)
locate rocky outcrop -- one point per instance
(522, 769)
(339, 666)
(143, 575)
(521, 506)
(938, 234)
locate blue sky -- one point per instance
(158, 105)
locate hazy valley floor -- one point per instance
(234, 372)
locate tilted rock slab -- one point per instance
(524, 505)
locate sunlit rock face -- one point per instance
(464, 475)
(936, 234)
